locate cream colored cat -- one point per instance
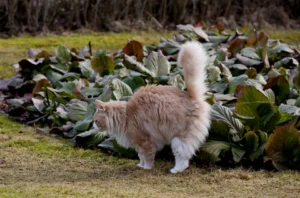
(163, 115)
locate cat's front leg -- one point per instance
(146, 152)
(142, 163)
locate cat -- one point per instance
(158, 115)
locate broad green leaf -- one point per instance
(213, 74)
(69, 76)
(63, 54)
(283, 143)
(290, 109)
(106, 94)
(177, 81)
(82, 125)
(281, 47)
(59, 67)
(90, 138)
(263, 138)
(15, 102)
(219, 130)
(126, 152)
(158, 64)
(250, 53)
(200, 33)
(280, 86)
(237, 154)
(53, 76)
(235, 46)
(216, 147)
(219, 87)
(224, 97)
(248, 61)
(134, 82)
(252, 40)
(132, 64)
(169, 46)
(238, 69)
(251, 73)
(152, 62)
(77, 110)
(248, 30)
(86, 69)
(67, 88)
(271, 95)
(39, 77)
(224, 114)
(163, 65)
(297, 103)
(253, 103)
(218, 39)
(41, 86)
(221, 56)
(225, 71)
(235, 81)
(102, 63)
(120, 89)
(251, 142)
(287, 62)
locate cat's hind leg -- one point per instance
(183, 152)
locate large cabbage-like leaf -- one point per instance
(63, 54)
(253, 103)
(283, 145)
(216, 147)
(134, 48)
(224, 114)
(120, 89)
(102, 63)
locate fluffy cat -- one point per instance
(157, 115)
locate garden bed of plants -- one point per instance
(253, 83)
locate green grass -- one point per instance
(291, 37)
(37, 165)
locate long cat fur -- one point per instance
(156, 116)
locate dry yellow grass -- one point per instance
(36, 165)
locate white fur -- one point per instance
(193, 58)
(182, 152)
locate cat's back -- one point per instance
(158, 94)
(160, 101)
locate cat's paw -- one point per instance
(144, 166)
(147, 167)
(140, 165)
(174, 171)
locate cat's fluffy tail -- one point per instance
(193, 58)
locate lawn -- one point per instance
(37, 165)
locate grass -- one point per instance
(37, 165)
